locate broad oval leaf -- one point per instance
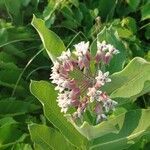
(46, 94)
(134, 125)
(132, 81)
(52, 43)
(46, 138)
(92, 132)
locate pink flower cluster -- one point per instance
(79, 79)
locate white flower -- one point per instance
(81, 48)
(109, 105)
(112, 49)
(55, 67)
(115, 52)
(91, 91)
(65, 55)
(61, 84)
(55, 75)
(105, 76)
(59, 88)
(83, 54)
(64, 101)
(102, 78)
(100, 118)
(101, 46)
(94, 94)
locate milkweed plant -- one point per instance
(91, 92)
(79, 77)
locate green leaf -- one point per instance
(22, 146)
(49, 11)
(145, 11)
(46, 94)
(133, 3)
(131, 81)
(147, 32)
(7, 120)
(52, 43)
(92, 132)
(15, 51)
(8, 65)
(106, 8)
(124, 33)
(14, 11)
(13, 35)
(46, 138)
(73, 18)
(142, 144)
(134, 125)
(11, 86)
(10, 134)
(129, 23)
(8, 78)
(13, 107)
(4, 57)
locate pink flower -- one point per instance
(105, 52)
(65, 55)
(82, 53)
(102, 78)
(64, 101)
(94, 94)
(79, 88)
(81, 49)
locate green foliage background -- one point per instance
(25, 122)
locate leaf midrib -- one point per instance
(117, 140)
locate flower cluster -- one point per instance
(79, 78)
